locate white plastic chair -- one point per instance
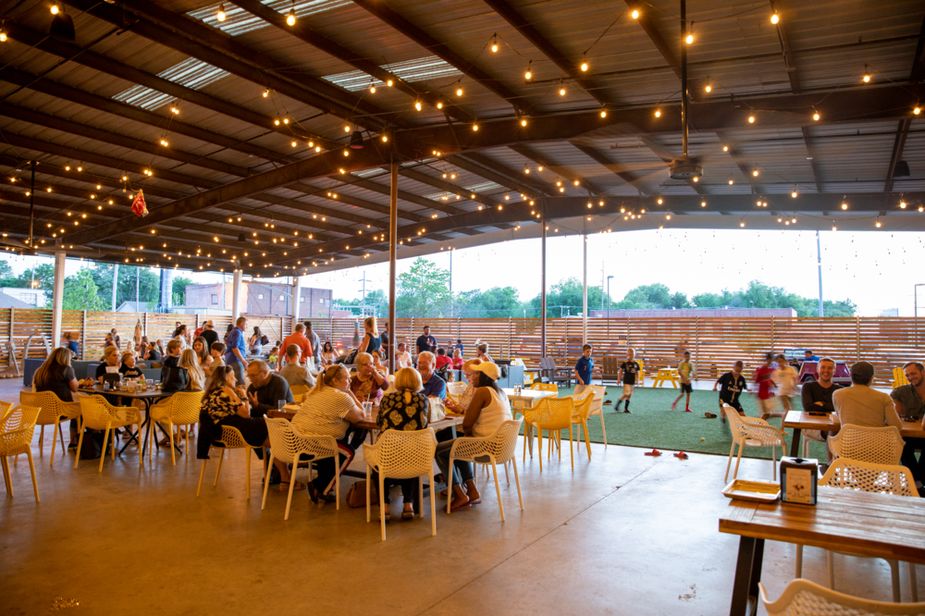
(490, 450)
(806, 598)
(868, 477)
(16, 432)
(752, 432)
(98, 414)
(53, 412)
(880, 445)
(288, 446)
(231, 438)
(402, 454)
(597, 406)
(180, 409)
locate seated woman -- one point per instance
(329, 409)
(57, 376)
(189, 361)
(402, 357)
(223, 405)
(328, 356)
(460, 404)
(487, 411)
(482, 352)
(110, 363)
(128, 369)
(369, 382)
(406, 408)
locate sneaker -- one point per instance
(626, 410)
(688, 411)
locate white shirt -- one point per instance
(403, 359)
(324, 413)
(492, 416)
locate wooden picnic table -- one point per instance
(828, 422)
(860, 523)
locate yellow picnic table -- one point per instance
(666, 375)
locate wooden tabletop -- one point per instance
(151, 393)
(861, 523)
(829, 422)
(528, 394)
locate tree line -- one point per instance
(424, 291)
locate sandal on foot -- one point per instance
(407, 515)
(457, 505)
(654, 453)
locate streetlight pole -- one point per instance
(608, 295)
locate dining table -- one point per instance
(846, 521)
(524, 400)
(148, 397)
(828, 422)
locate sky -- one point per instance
(876, 269)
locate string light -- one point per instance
(689, 39)
(389, 82)
(55, 9)
(657, 113)
(775, 18)
(523, 122)
(635, 14)
(174, 109)
(439, 105)
(475, 127)
(291, 18)
(585, 66)
(708, 88)
(3, 35)
(372, 88)
(755, 173)
(794, 194)
(866, 77)
(902, 204)
(878, 224)
(844, 204)
(603, 113)
(265, 94)
(494, 47)
(917, 110)
(220, 16)
(459, 91)
(751, 118)
(816, 116)
(562, 90)
(164, 143)
(725, 148)
(528, 74)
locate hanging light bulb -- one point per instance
(4, 37)
(523, 122)
(878, 224)
(794, 194)
(439, 105)
(816, 116)
(372, 88)
(775, 18)
(528, 74)
(54, 8)
(689, 39)
(459, 90)
(475, 127)
(657, 113)
(220, 16)
(751, 118)
(866, 77)
(708, 88)
(635, 14)
(562, 90)
(585, 66)
(290, 17)
(603, 113)
(418, 105)
(917, 110)
(493, 46)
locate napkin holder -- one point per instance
(798, 480)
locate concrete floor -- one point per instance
(623, 534)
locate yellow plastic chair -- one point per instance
(538, 386)
(231, 438)
(641, 377)
(299, 391)
(54, 412)
(583, 403)
(5, 407)
(98, 414)
(180, 409)
(554, 415)
(16, 432)
(899, 377)
(288, 446)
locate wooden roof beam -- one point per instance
(917, 74)
(567, 174)
(612, 166)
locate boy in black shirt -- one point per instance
(732, 384)
(628, 371)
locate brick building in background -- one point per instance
(264, 298)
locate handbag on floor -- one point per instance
(356, 495)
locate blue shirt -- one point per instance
(235, 341)
(435, 386)
(584, 367)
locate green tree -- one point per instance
(81, 292)
(564, 298)
(43, 275)
(375, 299)
(178, 290)
(653, 296)
(496, 302)
(147, 279)
(423, 290)
(759, 295)
(6, 274)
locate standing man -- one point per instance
(236, 349)
(299, 339)
(685, 371)
(315, 340)
(732, 384)
(628, 371)
(209, 334)
(583, 369)
(384, 341)
(425, 342)
(909, 401)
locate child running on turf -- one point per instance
(732, 384)
(764, 379)
(786, 379)
(583, 369)
(628, 371)
(685, 372)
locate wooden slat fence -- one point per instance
(715, 343)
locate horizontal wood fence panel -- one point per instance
(715, 343)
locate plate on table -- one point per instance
(757, 491)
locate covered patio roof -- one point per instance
(239, 131)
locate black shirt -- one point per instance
(814, 392)
(210, 336)
(61, 387)
(130, 373)
(426, 343)
(154, 355)
(731, 386)
(173, 377)
(268, 396)
(630, 370)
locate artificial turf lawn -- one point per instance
(652, 423)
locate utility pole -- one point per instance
(452, 300)
(137, 284)
(819, 270)
(363, 280)
(115, 284)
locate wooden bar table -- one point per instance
(828, 422)
(859, 523)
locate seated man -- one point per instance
(817, 396)
(909, 402)
(433, 384)
(862, 405)
(266, 388)
(293, 371)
